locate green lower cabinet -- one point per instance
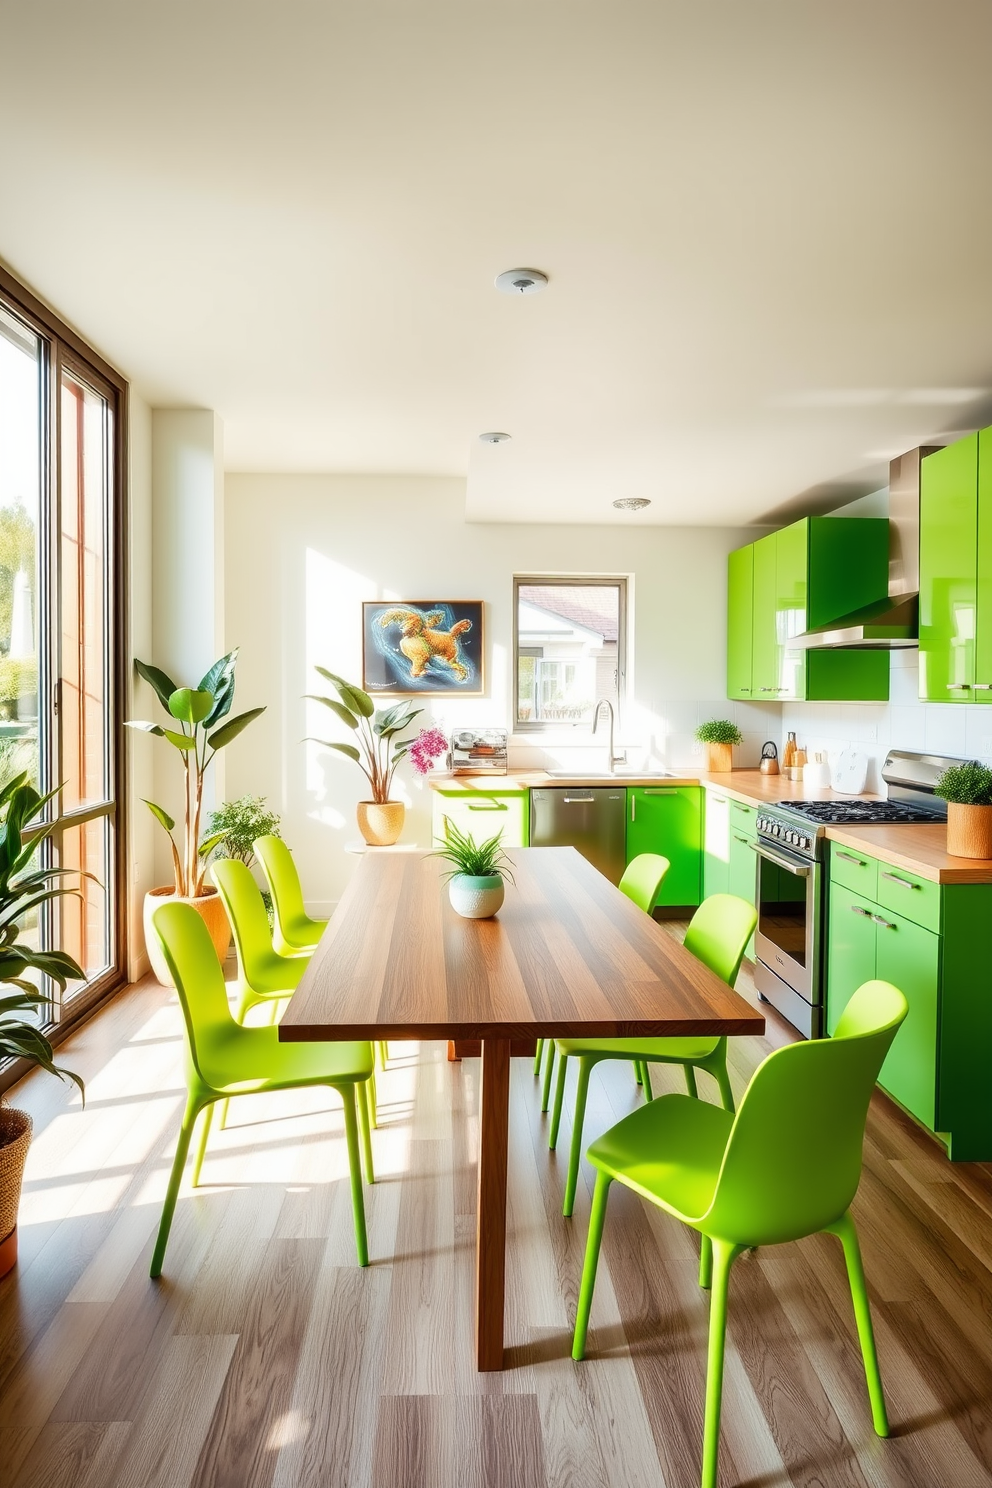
(938, 1066)
(667, 819)
(716, 844)
(483, 815)
(742, 878)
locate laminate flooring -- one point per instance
(265, 1358)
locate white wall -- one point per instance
(303, 552)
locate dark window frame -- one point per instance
(66, 349)
(565, 581)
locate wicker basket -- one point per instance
(15, 1139)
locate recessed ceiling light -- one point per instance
(632, 503)
(494, 437)
(521, 281)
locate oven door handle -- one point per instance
(798, 870)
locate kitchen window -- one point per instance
(61, 625)
(569, 649)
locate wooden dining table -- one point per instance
(568, 955)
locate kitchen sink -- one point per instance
(627, 772)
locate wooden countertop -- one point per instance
(920, 848)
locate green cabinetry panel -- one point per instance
(949, 572)
(938, 1066)
(483, 815)
(808, 574)
(740, 594)
(667, 819)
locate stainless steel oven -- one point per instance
(788, 940)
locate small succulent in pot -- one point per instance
(719, 735)
(475, 879)
(967, 789)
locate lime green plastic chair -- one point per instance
(264, 976)
(718, 934)
(294, 929)
(225, 1060)
(786, 1166)
(641, 882)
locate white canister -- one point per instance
(816, 775)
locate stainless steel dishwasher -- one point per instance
(592, 819)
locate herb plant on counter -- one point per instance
(967, 784)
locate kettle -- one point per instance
(769, 758)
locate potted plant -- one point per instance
(20, 892)
(239, 824)
(198, 711)
(475, 882)
(719, 736)
(967, 789)
(376, 753)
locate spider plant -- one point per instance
(473, 859)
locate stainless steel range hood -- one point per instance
(892, 623)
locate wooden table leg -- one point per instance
(490, 1240)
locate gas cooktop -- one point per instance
(849, 813)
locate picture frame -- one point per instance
(424, 647)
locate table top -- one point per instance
(567, 955)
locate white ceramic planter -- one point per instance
(476, 898)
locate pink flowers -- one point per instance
(425, 749)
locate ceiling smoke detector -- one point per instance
(521, 281)
(494, 437)
(632, 503)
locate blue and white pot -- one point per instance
(476, 898)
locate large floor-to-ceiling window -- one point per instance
(62, 431)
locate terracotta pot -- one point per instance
(969, 830)
(476, 896)
(720, 758)
(209, 906)
(381, 822)
(15, 1139)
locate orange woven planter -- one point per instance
(15, 1139)
(720, 758)
(969, 830)
(381, 822)
(209, 906)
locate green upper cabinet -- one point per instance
(806, 575)
(956, 572)
(740, 594)
(667, 819)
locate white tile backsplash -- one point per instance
(958, 729)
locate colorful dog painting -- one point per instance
(430, 646)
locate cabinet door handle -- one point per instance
(487, 806)
(633, 805)
(904, 882)
(958, 686)
(661, 790)
(852, 859)
(745, 840)
(886, 924)
(720, 800)
(856, 909)
(982, 686)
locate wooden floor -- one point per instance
(266, 1357)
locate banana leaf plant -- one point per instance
(378, 751)
(23, 889)
(198, 711)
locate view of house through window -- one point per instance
(569, 643)
(57, 631)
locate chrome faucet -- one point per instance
(615, 759)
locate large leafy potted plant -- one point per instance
(967, 789)
(198, 712)
(475, 879)
(23, 889)
(377, 752)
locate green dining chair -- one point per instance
(641, 881)
(718, 934)
(786, 1166)
(225, 1060)
(294, 930)
(264, 976)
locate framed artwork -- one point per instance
(423, 646)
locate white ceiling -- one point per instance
(767, 226)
